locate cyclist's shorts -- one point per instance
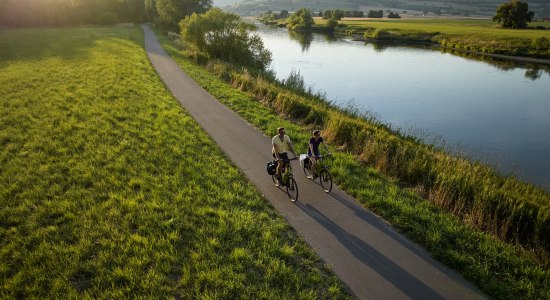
(283, 156)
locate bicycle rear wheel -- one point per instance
(292, 189)
(326, 180)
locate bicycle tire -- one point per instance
(326, 180)
(292, 190)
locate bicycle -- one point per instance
(287, 180)
(321, 171)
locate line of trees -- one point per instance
(338, 14)
(166, 13)
(393, 15)
(375, 14)
(19, 13)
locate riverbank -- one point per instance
(400, 40)
(471, 36)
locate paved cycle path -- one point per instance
(370, 257)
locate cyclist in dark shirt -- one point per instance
(313, 148)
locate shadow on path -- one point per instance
(394, 274)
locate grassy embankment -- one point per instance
(469, 35)
(109, 189)
(473, 196)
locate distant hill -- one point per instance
(482, 8)
(223, 3)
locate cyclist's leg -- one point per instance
(278, 168)
(313, 164)
(283, 158)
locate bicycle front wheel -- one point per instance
(326, 180)
(292, 190)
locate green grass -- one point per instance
(473, 35)
(503, 270)
(109, 189)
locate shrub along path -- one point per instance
(368, 255)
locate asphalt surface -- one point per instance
(369, 256)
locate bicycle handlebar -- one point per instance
(323, 156)
(288, 160)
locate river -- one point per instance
(495, 112)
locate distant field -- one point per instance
(477, 35)
(109, 189)
(463, 27)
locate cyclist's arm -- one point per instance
(275, 151)
(291, 146)
(310, 146)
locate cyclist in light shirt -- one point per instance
(281, 145)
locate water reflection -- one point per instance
(532, 71)
(306, 38)
(303, 38)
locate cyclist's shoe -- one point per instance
(291, 188)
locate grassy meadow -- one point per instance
(109, 189)
(472, 35)
(504, 270)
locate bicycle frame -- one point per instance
(287, 179)
(320, 165)
(286, 170)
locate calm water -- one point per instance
(494, 113)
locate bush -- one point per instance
(295, 82)
(541, 43)
(301, 20)
(225, 36)
(331, 25)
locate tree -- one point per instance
(170, 12)
(284, 14)
(69, 12)
(375, 14)
(300, 20)
(151, 10)
(393, 15)
(331, 24)
(225, 36)
(513, 14)
(333, 14)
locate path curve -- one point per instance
(369, 256)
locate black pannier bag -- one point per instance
(271, 168)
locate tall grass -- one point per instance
(475, 198)
(502, 205)
(109, 189)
